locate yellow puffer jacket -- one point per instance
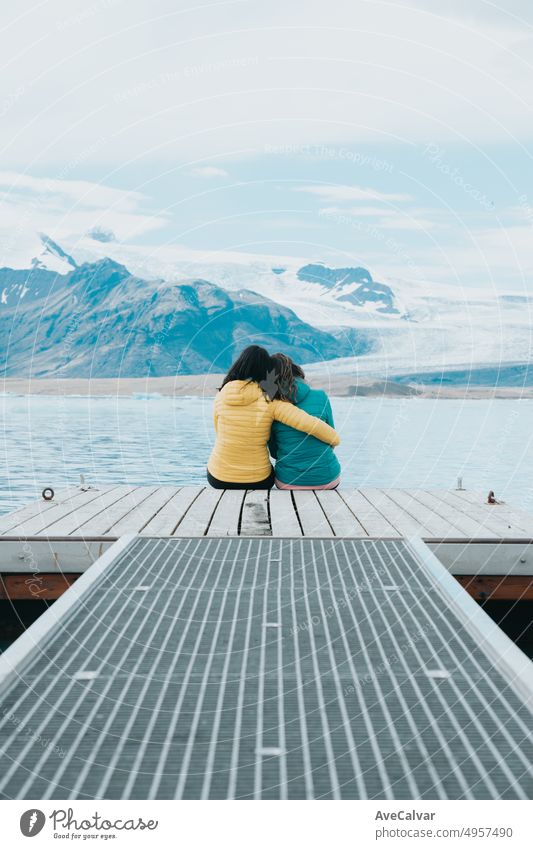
(243, 418)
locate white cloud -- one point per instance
(60, 208)
(347, 193)
(382, 217)
(507, 251)
(355, 211)
(406, 222)
(78, 191)
(209, 171)
(124, 89)
(127, 81)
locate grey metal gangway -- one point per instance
(263, 667)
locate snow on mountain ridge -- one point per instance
(412, 325)
(118, 323)
(53, 257)
(277, 277)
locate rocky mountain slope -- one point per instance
(370, 327)
(100, 320)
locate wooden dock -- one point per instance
(489, 547)
(264, 668)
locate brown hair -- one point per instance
(253, 364)
(286, 372)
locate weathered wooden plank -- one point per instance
(283, 518)
(225, 521)
(490, 521)
(91, 507)
(41, 587)
(35, 508)
(311, 515)
(198, 517)
(40, 522)
(195, 511)
(371, 519)
(255, 519)
(134, 521)
(396, 515)
(498, 587)
(464, 525)
(102, 523)
(339, 516)
(435, 525)
(24, 514)
(165, 521)
(514, 519)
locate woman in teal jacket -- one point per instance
(302, 461)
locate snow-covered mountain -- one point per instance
(99, 320)
(36, 274)
(393, 328)
(52, 257)
(322, 296)
(350, 286)
(411, 327)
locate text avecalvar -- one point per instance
(404, 815)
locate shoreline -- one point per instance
(341, 386)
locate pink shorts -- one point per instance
(330, 485)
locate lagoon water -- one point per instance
(50, 441)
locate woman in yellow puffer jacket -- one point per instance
(243, 418)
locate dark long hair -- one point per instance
(286, 373)
(254, 364)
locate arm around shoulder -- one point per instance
(292, 416)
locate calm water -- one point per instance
(49, 441)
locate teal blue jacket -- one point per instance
(303, 460)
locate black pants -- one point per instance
(267, 483)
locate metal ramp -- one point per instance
(265, 668)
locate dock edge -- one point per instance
(15, 658)
(496, 645)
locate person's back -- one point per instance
(243, 417)
(302, 461)
(242, 421)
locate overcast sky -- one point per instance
(395, 135)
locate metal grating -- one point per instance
(263, 668)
